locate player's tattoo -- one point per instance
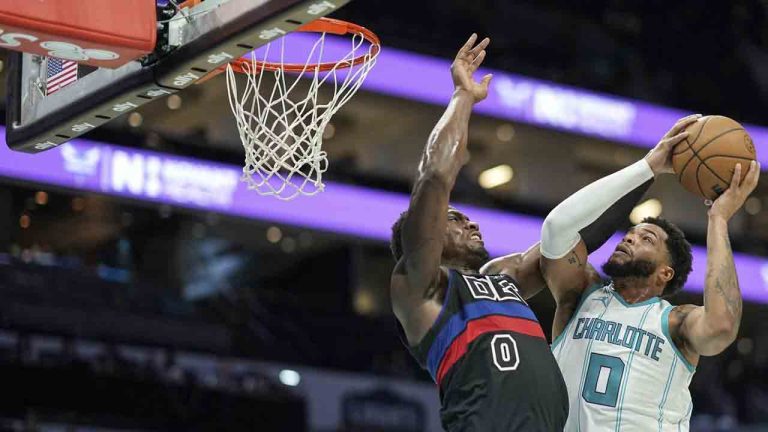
(573, 259)
(727, 284)
(728, 288)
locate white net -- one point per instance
(281, 123)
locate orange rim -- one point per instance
(320, 25)
(189, 3)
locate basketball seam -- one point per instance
(682, 170)
(698, 183)
(696, 153)
(712, 171)
(701, 129)
(681, 152)
(727, 183)
(725, 156)
(710, 141)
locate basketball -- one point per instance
(704, 162)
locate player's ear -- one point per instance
(666, 273)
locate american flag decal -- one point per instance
(60, 73)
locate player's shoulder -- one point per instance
(505, 265)
(593, 277)
(577, 300)
(406, 296)
(591, 283)
(595, 285)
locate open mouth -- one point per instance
(476, 236)
(622, 249)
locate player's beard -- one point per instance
(478, 256)
(635, 268)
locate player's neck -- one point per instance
(466, 269)
(462, 267)
(634, 290)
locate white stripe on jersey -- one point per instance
(622, 369)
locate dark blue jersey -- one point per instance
(491, 361)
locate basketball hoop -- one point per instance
(281, 128)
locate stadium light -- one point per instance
(648, 208)
(289, 377)
(496, 176)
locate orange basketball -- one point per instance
(704, 162)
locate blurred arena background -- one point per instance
(140, 291)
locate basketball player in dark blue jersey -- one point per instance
(463, 318)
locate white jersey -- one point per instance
(621, 368)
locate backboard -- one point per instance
(190, 44)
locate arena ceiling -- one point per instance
(376, 140)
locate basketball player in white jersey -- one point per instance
(627, 355)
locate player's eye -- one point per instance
(648, 239)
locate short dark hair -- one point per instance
(679, 254)
(396, 242)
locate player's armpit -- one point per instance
(415, 309)
(695, 333)
(523, 267)
(417, 272)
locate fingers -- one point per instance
(470, 51)
(486, 80)
(736, 178)
(682, 124)
(674, 140)
(468, 44)
(480, 47)
(743, 189)
(478, 60)
(753, 175)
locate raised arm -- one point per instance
(564, 251)
(525, 267)
(710, 329)
(418, 271)
(563, 247)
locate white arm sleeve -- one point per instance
(560, 232)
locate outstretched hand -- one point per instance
(727, 204)
(660, 157)
(469, 58)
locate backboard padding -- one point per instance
(211, 40)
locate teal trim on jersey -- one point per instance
(629, 368)
(584, 296)
(584, 364)
(665, 329)
(611, 394)
(666, 392)
(642, 303)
